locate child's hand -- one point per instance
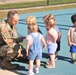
(44, 46)
(70, 44)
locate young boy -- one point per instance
(72, 38)
(58, 42)
(51, 38)
(58, 31)
(33, 45)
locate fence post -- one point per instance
(47, 2)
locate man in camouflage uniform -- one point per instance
(9, 40)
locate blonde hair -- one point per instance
(50, 16)
(49, 19)
(31, 20)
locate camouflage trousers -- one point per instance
(6, 50)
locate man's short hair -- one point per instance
(11, 13)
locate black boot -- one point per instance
(7, 64)
(24, 58)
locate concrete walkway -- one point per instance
(6, 72)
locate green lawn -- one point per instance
(34, 4)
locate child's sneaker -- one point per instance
(30, 73)
(36, 71)
(73, 61)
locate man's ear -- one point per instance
(9, 19)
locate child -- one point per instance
(59, 34)
(51, 38)
(72, 38)
(58, 42)
(33, 47)
(31, 20)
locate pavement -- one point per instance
(6, 72)
(63, 67)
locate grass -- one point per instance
(61, 1)
(3, 13)
(33, 4)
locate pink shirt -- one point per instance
(49, 38)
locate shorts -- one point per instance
(58, 46)
(73, 49)
(35, 55)
(52, 48)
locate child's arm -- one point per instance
(69, 42)
(27, 47)
(44, 42)
(69, 38)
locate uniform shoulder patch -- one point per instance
(3, 27)
(3, 30)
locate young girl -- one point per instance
(51, 38)
(72, 39)
(33, 47)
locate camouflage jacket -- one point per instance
(8, 34)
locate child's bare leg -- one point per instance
(30, 67)
(37, 64)
(73, 55)
(73, 58)
(52, 56)
(30, 64)
(36, 69)
(49, 61)
(52, 62)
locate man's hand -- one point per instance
(24, 37)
